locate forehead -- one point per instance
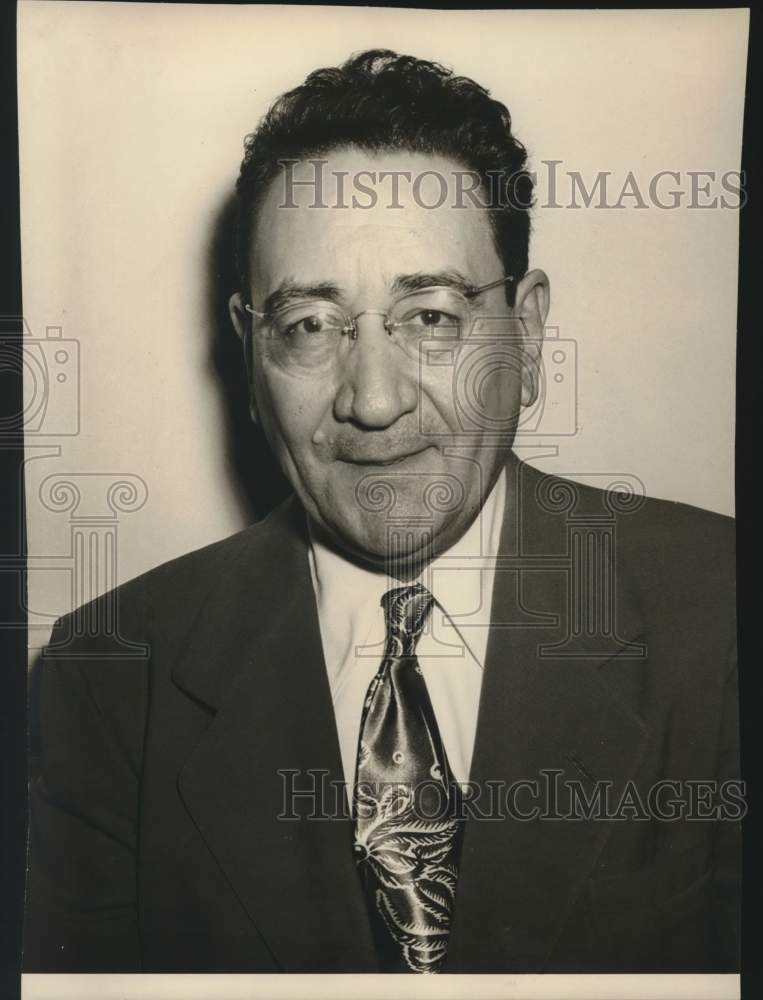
(357, 217)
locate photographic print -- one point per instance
(379, 412)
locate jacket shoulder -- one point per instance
(670, 554)
(677, 559)
(180, 584)
(675, 542)
(100, 653)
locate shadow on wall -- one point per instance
(254, 472)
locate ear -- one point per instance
(239, 315)
(531, 304)
(241, 323)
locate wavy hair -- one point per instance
(380, 101)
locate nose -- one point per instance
(378, 383)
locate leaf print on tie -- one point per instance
(407, 858)
(423, 945)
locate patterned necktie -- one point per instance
(406, 804)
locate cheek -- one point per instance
(481, 394)
(290, 408)
(437, 388)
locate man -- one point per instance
(438, 712)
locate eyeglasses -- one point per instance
(309, 336)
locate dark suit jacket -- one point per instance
(155, 843)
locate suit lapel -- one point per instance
(539, 713)
(255, 657)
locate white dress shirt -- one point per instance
(451, 651)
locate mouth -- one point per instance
(385, 460)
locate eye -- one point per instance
(308, 326)
(434, 317)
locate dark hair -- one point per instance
(379, 100)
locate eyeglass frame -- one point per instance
(352, 329)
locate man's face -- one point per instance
(378, 445)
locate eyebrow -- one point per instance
(449, 278)
(294, 291)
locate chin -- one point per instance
(402, 547)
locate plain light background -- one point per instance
(132, 119)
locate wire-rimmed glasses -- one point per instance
(309, 335)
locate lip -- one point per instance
(386, 460)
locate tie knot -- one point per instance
(406, 610)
